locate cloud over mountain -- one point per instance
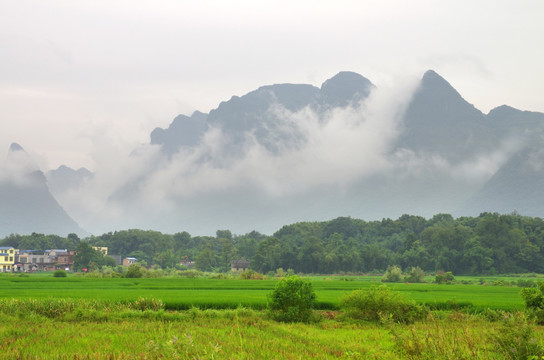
(291, 152)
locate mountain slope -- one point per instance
(292, 152)
(260, 115)
(26, 205)
(440, 122)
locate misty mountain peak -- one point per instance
(345, 88)
(433, 82)
(439, 121)
(16, 147)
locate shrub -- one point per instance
(526, 283)
(534, 297)
(249, 274)
(392, 274)
(516, 338)
(380, 304)
(534, 301)
(59, 273)
(135, 271)
(444, 278)
(416, 275)
(292, 300)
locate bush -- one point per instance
(251, 275)
(380, 304)
(416, 275)
(516, 338)
(59, 273)
(534, 297)
(135, 271)
(444, 278)
(526, 283)
(392, 274)
(534, 301)
(292, 300)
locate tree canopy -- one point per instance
(488, 244)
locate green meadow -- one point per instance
(204, 293)
(81, 317)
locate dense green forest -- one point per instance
(488, 244)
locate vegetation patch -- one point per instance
(292, 300)
(381, 304)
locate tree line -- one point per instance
(488, 244)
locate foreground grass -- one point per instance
(85, 330)
(200, 335)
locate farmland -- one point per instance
(204, 318)
(184, 293)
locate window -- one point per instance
(11, 258)
(5, 258)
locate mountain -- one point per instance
(518, 185)
(440, 122)
(263, 114)
(293, 152)
(65, 178)
(26, 205)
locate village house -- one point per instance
(34, 260)
(189, 264)
(7, 258)
(102, 249)
(129, 261)
(118, 259)
(62, 259)
(239, 265)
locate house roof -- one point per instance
(6, 247)
(241, 262)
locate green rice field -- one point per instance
(184, 293)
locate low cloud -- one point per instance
(333, 152)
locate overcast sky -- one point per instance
(78, 77)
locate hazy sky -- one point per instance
(81, 77)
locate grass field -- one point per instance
(90, 318)
(248, 334)
(184, 293)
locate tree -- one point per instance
(166, 259)
(228, 252)
(311, 254)
(206, 259)
(84, 255)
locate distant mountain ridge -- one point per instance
(296, 152)
(438, 125)
(253, 113)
